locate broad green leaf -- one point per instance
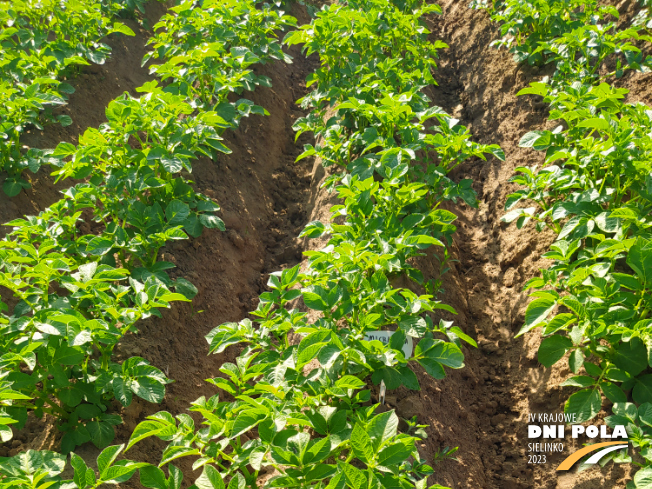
(537, 312)
(210, 478)
(350, 382)
(643, 478)
(107, 457)
(149, 389)
(173, 452)
(595, 123)
(383, 427)
(553, 348)
(642, 391)
(176, 212)
(361, 444)
(640, 259)
(631, 356)
(395, 454)
(246, 420)
(101, 433)
(122, 391)
(585, 404)
(434, 369)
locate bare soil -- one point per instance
(267, 199)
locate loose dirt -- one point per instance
(267, 199)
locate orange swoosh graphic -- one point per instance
(574, 457)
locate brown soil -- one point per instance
(267, 199)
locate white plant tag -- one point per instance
(383, 389)
(384, 336)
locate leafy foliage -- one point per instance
(595, 193)
(87, 268)
(32, 470)
(302, 407)
(574, 34)
(41, 44)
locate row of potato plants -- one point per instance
(43, 43)
(295, 408)
(595, 194)
(296, 402)
(87, 269)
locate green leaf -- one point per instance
(120, 27)
(99, 246)
(631, 356)
(383, 427)
(645, 413)
(176, 212)
(535, 139)
(316, 297)
(64, 120)
(642, 391)
(537, 312)
(434, 369)
(361, 444)
(246, 420)
(390, 375)
(595, 123)
(173, 452)
(149, 389)
(640, 259)
(70, 396)
(643, 478)
(210, 478)
(355, 478)
(13, 186)
(210, 221)
(578, 381)
(313, 229)
(613, 392)
(107, 457)
(122, 391)
(64, 149)
(120, 473)
(152, 477)
(350, 382)
(576, 360)
(391, 157)
(409, 378)
(101, 433)
(442, 352)
(66, 355)
(395, 454)
(185, 288)
(553, 348)
(585, 404)
(193, 226)
(163, 426)
(87, 411)
(80, 468)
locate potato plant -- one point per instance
(595, 194)
(301, 408)
(582, 33)
(40, 469)
(41, 44)
(87, 269)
